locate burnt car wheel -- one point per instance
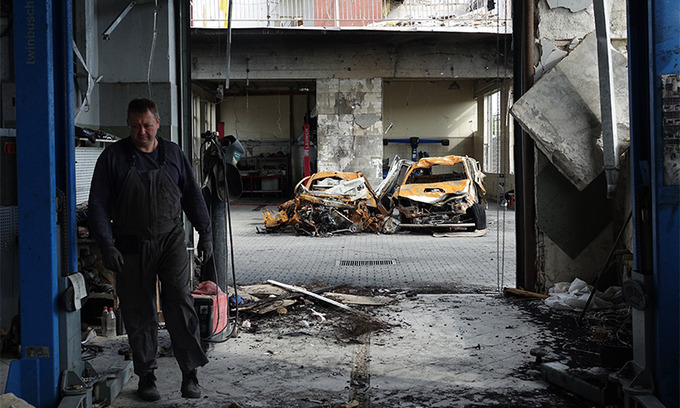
(477, 214)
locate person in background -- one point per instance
(140, 186)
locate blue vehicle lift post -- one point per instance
(50, 371)
(35, 377)
(415, 142)
(652, 378)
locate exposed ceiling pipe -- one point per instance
(229, 8)
(109, 30)
(610, 140)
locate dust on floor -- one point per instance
(435, 350)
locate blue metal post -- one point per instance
(666, 201)
(654, 41)
(69, 322)
(41, 110)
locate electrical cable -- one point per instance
(502, 153)
(506, 145)
(153, 48)
(91, 81)
(228, 51)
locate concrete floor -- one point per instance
(439, 350)
(449, 349)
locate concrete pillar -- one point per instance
(350, 129)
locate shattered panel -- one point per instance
(559, 23)
(572, 5)
(561, 112)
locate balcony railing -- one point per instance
(430, 15)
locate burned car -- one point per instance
(442, 193)
(432, 193)
(331, 202)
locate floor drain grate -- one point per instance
(366, 263)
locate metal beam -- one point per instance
(523, 21)
(610, 140)
(341, 55)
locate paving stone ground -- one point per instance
(486, 261)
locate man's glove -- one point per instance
(205, 248)
(112, 258)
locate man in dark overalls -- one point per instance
(140, 186)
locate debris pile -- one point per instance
(574, 296)
(330, 202)
(319, 306)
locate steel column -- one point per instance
(654, 41)
(44, 114)
(665, 26)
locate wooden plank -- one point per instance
(319, 297)
(359, 300)
(308, 293)
(524, 293)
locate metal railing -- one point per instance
(431, 15)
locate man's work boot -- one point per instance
(146, 389)
(190, 385)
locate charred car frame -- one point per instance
(432, 193)
(331, 202)
(442, 192)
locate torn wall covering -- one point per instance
(561, 112)
(562, 24)
(572, 5)
(350, 126)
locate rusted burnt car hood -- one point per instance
(446, 192)
(432, 193)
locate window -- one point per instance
(492, 133)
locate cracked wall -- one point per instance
(575, 222)
(350, 127)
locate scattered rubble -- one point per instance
(574, 296)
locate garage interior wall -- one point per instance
(152, 75)
(430, 110)
(427, 109)
(268, 125)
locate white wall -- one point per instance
(257, 118)
(429, 110)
